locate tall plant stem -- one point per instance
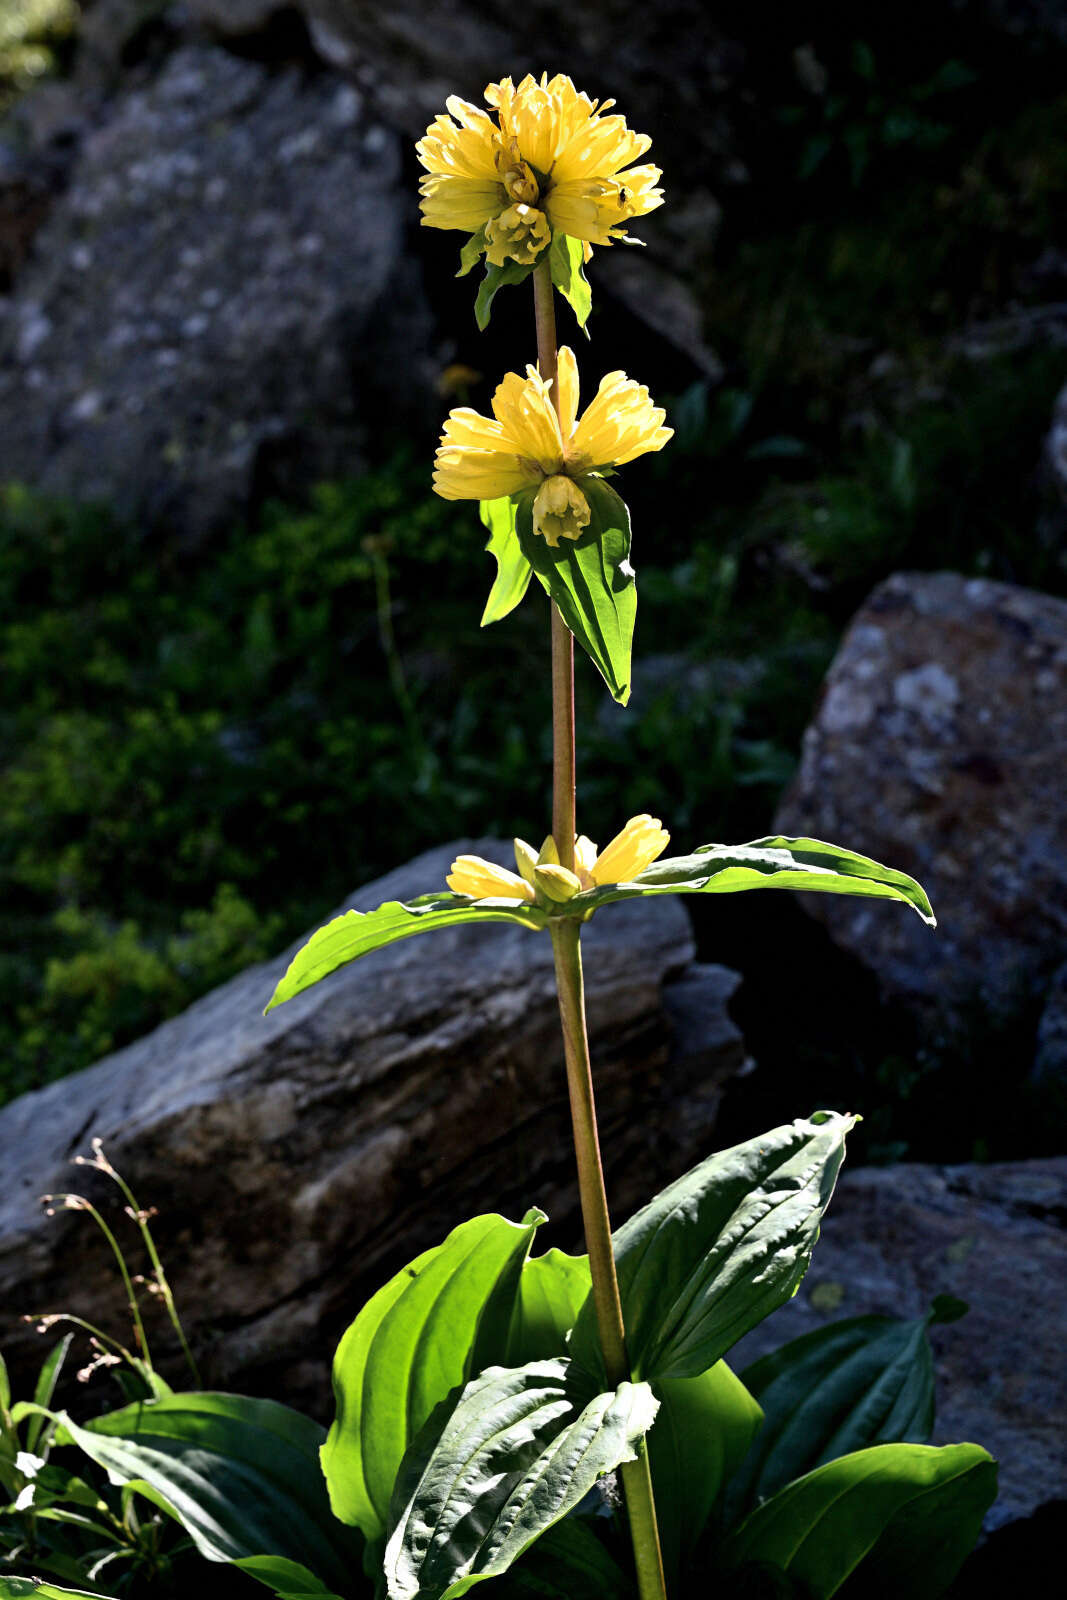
(566, 949)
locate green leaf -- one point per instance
(842, 1388)
(242, 1477)
(591, 580)
(471, 252)
(908, 1512)
(419, 1338)
(516, 1454)
(24, 1588)
(552, 1291)
(568, 1562)
(513, 570)
(45, 1389)
(498, 278)
(567, 259)
(357, 933)
(809, 865)
(702, 1434)
(720, 1249)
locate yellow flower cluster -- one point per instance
(550, 160)
(639, 844)
(525, 445)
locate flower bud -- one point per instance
(557, 883)
(560, 510)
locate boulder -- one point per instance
(221, 304)
(939, 746)
(993, 1236)
(298, 1160)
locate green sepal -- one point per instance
(499, 278)
(357, 933)
(470, 255)
(908, 1512)
(566, 257)
(513, 570)
(810, 865)
(591, 580)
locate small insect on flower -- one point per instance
(546, 159)
(524, 445)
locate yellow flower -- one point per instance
(484, 880)
(526, 446)
(550, 161)
(630, 852)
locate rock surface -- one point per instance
(298, 1160)
(939, 747)
(223, 301)
(993, 1236)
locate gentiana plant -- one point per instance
(568, 1426)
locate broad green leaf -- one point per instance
(809, 865)
(497, 278)
(909, 1512)
(567, 259)
(420, 1337)
(242, 1477)
(552, 1291)
(703, 1431)
(513, 570)
(357, 933)
(591, 580)
(568, 1562)
(519, 1451)
(471, 252)
(718, 1250)
(855, 1383)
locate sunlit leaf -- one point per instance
(591, 581)
(720, 1249)
(357, 933)
(442, 1318)
(513, 570)
(521, 1449)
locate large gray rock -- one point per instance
(299, 1159)
(222, 304)
(939, 746)
(993, 1236)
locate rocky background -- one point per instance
(243, 677)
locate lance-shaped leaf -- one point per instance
(241, 1476)
(513, 570)
(909, 1512)
(567, 259)
(591, 580)
(521, 1448)
(702, 1434)
(357, 933)
(809, 865)
(420, 1337)
(856, 1383)
(718, 1250)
